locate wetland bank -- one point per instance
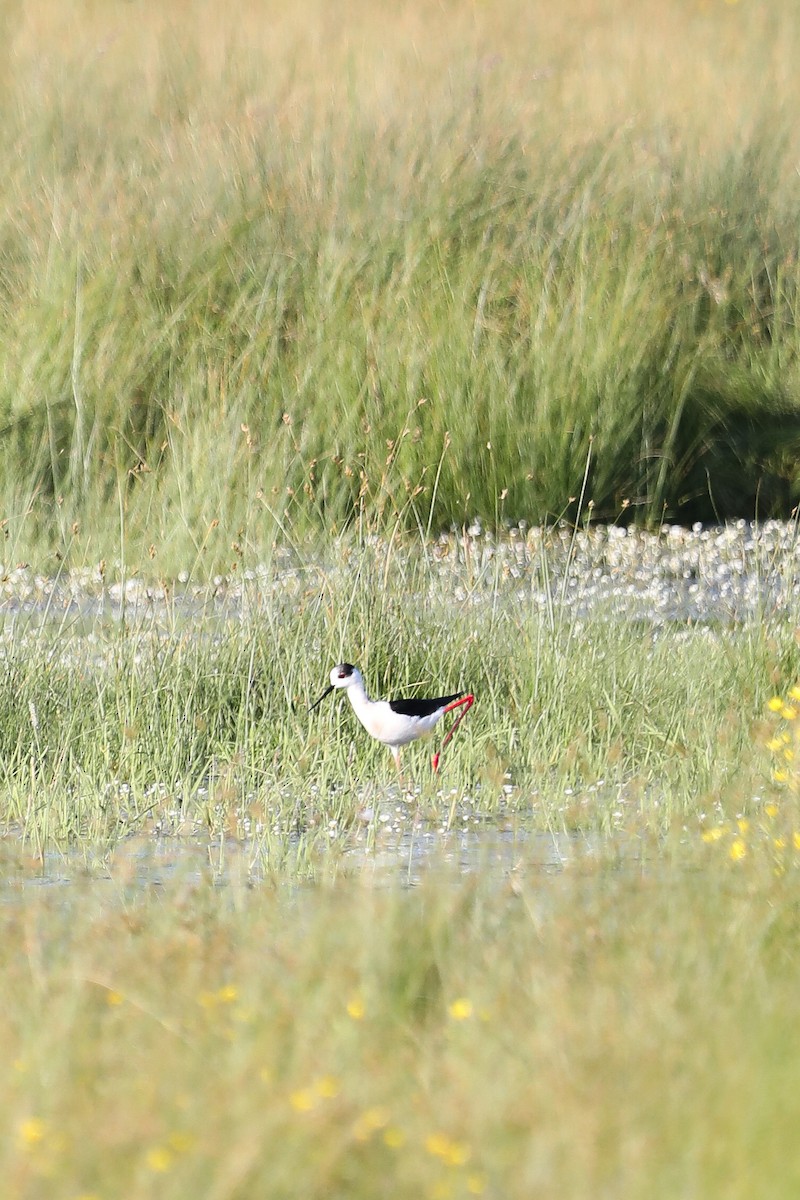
(461, 342)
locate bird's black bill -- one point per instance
(316, 703)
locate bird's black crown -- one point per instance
(345, 670)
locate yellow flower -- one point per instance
(32, 1131)
(224, 995)
(775, 704)
(114, 998)
(794, 693)
(743, 824)
(774, 744)
(181, 1142)
(788, 713)
(303, 1100)
(796, 840)
(460, 1009)
(355, 1008)
(437, 1144)
(159, 1159)
(738, 850)
(779, 776)
(788, 754)
(327, 1087)
(369, 1121)
(455, 1154)
(779, 843)
(713, 835)
(771, 810)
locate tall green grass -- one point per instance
(261, 278)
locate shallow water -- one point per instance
(159, 864)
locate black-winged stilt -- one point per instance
(397, 722)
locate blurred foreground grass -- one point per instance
(598, 1032)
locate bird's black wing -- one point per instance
(422, 708)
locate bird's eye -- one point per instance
(343, 674)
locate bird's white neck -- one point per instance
(357, 695)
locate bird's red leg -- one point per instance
(466, 703)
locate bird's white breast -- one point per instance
(387, 726)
